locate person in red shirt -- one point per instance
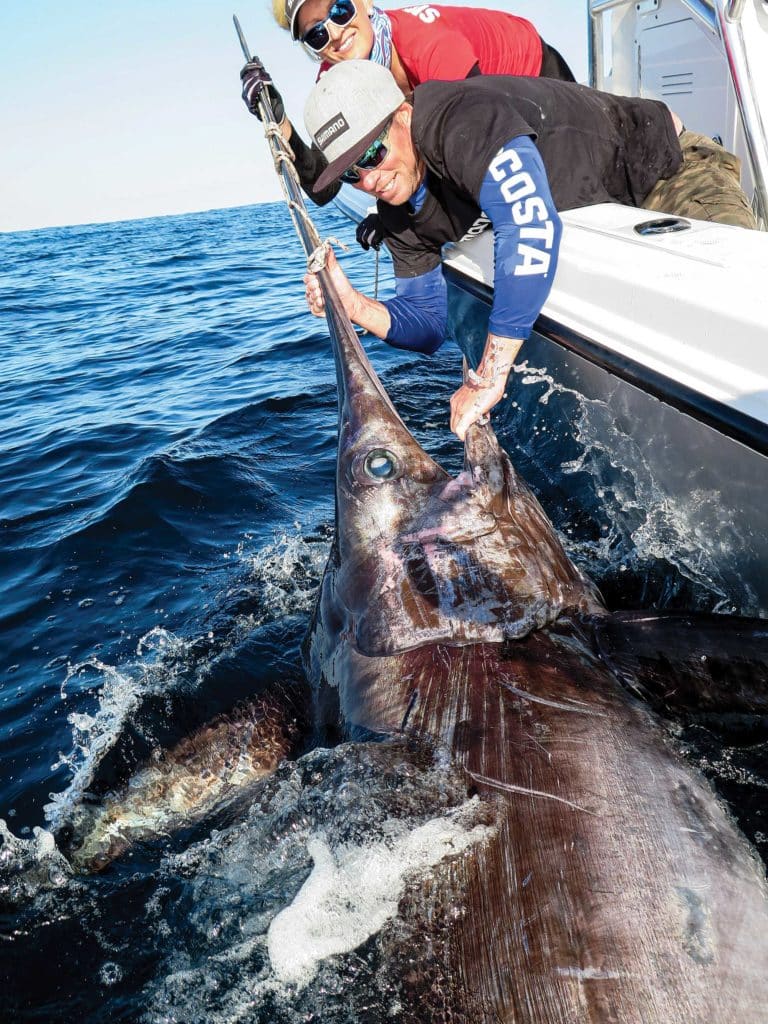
(429, 42)
(417, 44)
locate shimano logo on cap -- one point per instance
(330, 130)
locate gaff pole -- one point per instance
(282, 155)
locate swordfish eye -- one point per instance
(380, 465)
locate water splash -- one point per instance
(93, 734)
(28, 866)
(357, 827)
(275, 582)
(642, 525)
(287, 572)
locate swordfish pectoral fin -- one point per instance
(199, 776)
(689, 662)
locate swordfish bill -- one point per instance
(615, 887)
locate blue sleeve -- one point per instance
(418, 312)
(526, 236)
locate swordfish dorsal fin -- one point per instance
(689, 662)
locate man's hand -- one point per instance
(349, 296)
(471, 402)
(485, 388)
(253, 76)
(370, 232)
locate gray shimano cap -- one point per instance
(346, 112)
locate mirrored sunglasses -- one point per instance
(318, 37)
(373, 156)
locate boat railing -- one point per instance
(742, 29)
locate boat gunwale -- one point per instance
(739, 426)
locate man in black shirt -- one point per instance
(515, 150)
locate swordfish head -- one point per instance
(423, 558)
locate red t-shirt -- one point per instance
(444, 43)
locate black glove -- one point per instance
(253, 76)
(370, 232)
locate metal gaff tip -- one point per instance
(241, 37)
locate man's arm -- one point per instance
(419, 312)
(415, 319)
(526, 229)
(365, 312)
(486, 386)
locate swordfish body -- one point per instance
(616, 887)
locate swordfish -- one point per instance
(613, 886)
(616, 887)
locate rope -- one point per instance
(273, 131)
(299, 210)
(283, 159)
(317, 258)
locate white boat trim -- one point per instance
(679, 314)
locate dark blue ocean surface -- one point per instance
(167, 463)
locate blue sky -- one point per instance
(114, 111)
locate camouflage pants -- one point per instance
(707, 186)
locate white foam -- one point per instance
(353, 891)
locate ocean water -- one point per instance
(167, 464)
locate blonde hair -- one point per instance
(278, 10)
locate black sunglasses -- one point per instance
(373, 156)
(318, 37)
